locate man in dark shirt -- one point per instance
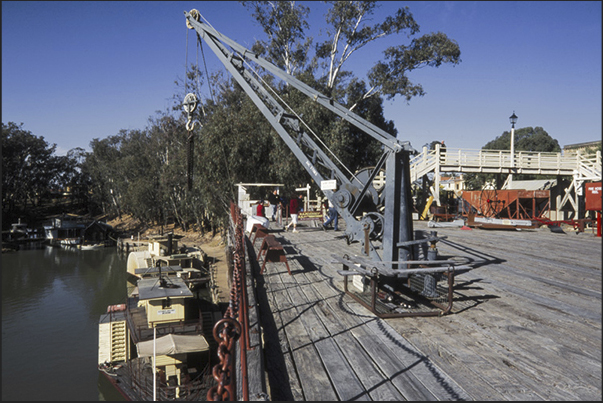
(273, 199)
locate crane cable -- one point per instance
(190, 105)
(300, 119)
(197, 16)
(211, 91)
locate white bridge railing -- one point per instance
(499, 161)
(582, 167)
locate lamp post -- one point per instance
(513, 120)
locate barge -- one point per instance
(159, 344)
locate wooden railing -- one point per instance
(499, 161)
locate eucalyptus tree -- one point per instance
(73, 177)
(348, 30)
(103, 167)
(29, 167)
(168, 149)
(285, 24)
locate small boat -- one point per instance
(69, 241)
(72, 230)
(91, 246)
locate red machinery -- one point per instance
(515, 204)
(592, 201)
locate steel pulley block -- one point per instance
(190, 103)
(344, 198)
(196, 16)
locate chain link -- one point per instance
(228, 330)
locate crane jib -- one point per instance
(370, 218)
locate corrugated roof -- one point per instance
(536, 184)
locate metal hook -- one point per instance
(190, 124)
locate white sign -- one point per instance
(328, 185)
(166, 311)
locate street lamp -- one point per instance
(513, 120)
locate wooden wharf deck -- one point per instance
(525, 324)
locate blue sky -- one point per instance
(74, 71)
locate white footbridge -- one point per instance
(578, 165)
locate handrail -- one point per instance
(467, 160)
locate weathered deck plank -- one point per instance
(372, 378)
(352, 358)
(328, 301)
(384, 359)
(313, 378)
(542, 331)
(525, 324)
(279, 362)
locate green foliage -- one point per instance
(349, 32)
(144, 172)
(28, 167)
(526, 139)
(429, 50)
(31, 173)
(284, 23)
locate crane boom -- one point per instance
(369, 218)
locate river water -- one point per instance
(52, 299)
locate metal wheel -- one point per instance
(374, 222)
(378, 185)
(489, 203)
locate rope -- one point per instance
(186, 64)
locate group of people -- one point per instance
(295, 207)
(274, 202)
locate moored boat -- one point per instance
(165, 254)
(86, 246)
(158, 345)
(73, 230)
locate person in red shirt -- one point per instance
(260, 209)
(294, 208)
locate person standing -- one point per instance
(281, 210)
(333, 217)
(260, 209)
(442, 152)
(293, 211)
(274, 200)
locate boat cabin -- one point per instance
(189, 263)
(163, 299)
